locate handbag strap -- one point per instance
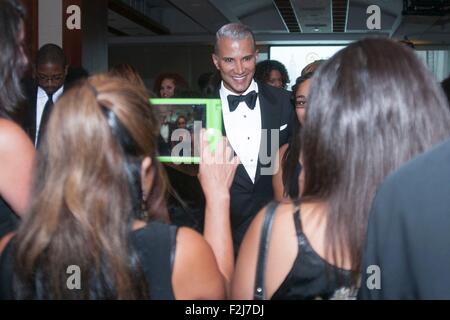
(259, 293)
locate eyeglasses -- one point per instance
(55, 78)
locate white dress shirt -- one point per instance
(41, 100)
(243, 127)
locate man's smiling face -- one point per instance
(236, 61)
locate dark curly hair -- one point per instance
(180, 83)
(264, 68)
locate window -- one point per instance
(437, 61)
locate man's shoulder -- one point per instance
(29, 86)
(273, 91)
(423, 179)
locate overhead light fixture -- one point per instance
(316, 29)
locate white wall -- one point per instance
(50, 22)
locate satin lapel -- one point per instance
(270, 120)
(224, 132)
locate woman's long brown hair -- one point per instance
(372, 107)
(87, 194)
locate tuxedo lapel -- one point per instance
(270, 116)
(270, 120)
(217, 96)
(28, 113)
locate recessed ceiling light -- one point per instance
(316, 29)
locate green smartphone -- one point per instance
(181, 122)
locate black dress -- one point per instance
(8, 219)
(155, 245)
(312, 277)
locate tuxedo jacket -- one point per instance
(27, 117)
(408, 235)
(247, 198)
(28, 110)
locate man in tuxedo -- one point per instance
(256, 121)
(42, 93)
(407, 253)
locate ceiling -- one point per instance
(276, 21)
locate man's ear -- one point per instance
(216, 59)
(66, 70)
(147, 176)
(256, 54)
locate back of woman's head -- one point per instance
(87, 192)
(12, 57)
(373, 106)
(127, 72)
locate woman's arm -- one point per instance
(196, 275)
(216, 176)
(17, 155)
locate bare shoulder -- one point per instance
(196, 273)
(283, 212)
(189, 239)
(282, 228)
(12, 136)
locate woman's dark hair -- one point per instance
(12, 58)
(87, 194)
(264, 68)
(180, 83)
(372, 107)
(290, 161)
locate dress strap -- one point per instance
(301, 238)
(298, 222)
(259, 290)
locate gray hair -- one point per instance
(234, 31)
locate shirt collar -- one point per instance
(42, 94)
(252, 87)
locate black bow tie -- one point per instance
(249, 99)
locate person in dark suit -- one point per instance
(408, 236)
(256, 121)
(51, 72)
